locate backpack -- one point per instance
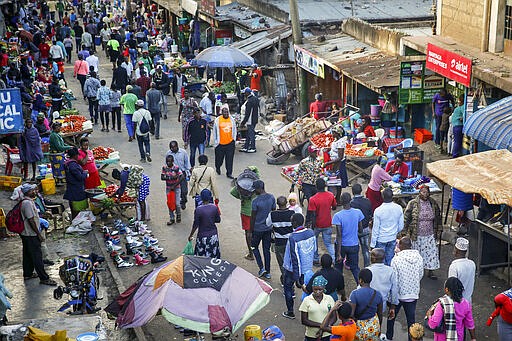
(14, 220)
(144, 126)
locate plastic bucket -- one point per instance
(462, 201)
(48, 186)
(174, 48)
(400, 132)
(375, 110)
(252, 332)
(97, 40)
(392, 132)
(375, 122)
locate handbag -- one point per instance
(439, 328)
(171, 200)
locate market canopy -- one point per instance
(222, 56)
(492, 125)
(487, 173)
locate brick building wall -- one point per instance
(462, 20)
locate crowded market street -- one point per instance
(112, 196)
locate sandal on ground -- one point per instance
(249, 256)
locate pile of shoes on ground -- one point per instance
(140, 244)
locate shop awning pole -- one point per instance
(508, 243)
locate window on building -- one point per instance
(508, 22)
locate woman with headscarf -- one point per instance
(423, 223)
(186, 112)
(206, 216)
(75, 183)
(378, 176)
(453, 311)
(30, 148)
(315, 308)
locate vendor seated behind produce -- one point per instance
(398, 166)
(57, 144)
(367, 128)
(317, 108)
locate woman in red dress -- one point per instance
(86, 160)
(367, 128)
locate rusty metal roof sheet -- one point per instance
(262, 40)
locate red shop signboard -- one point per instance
(449, 64)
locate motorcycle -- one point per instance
(81, 284)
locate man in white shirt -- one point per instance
(141, 117)
(56, 52)
(140, 69)
(87, 40)
(93, 61)
(127, 65)
(463, 268)
(388, 221)
(408, 265)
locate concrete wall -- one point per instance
(385, 39)
(462, 21)
(266, 9)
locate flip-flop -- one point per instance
(34, 275)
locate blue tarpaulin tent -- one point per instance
(492, 125)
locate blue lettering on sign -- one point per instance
(11, 111)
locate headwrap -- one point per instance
(224, 106)
(206, 196)
(383, 160)
(25, 188)
(293, 196)
(319, 281)
(311, 149)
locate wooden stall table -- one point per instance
(360, 171)
(492, 245)
(73, 138)
(403, 198)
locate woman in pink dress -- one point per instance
(86, 160)
(454, 311)
(378, 176)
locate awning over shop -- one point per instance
(492, 125)
(172, 6)
(262, 40)
(377, 71)
(189, 6)
(356, 60)
(486, 173)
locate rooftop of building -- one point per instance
(369, 10)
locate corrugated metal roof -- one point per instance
(375, 10)
(337, 48)
(375, 71)
(262, 40)
(245, 17)
(492, 125)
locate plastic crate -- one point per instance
(8, 183)
(422, 135)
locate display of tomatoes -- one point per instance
(322, 140)
(102, 153)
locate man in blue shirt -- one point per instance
(348, 224)
(262, 205)
(298, 259)
(388, 221)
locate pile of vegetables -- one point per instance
(111, 190)
(66, 112)
(360, 150)
(101, 153)
(73, 124)
(226, 87)
(322, 140)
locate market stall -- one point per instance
(102, 202)
(75, 127)
(487, 174)
(104, 157)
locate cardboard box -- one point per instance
(280, 117)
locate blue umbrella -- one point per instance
(222, 56)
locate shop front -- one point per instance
(481, 86)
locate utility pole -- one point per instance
(129, 13)
(301, 73)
